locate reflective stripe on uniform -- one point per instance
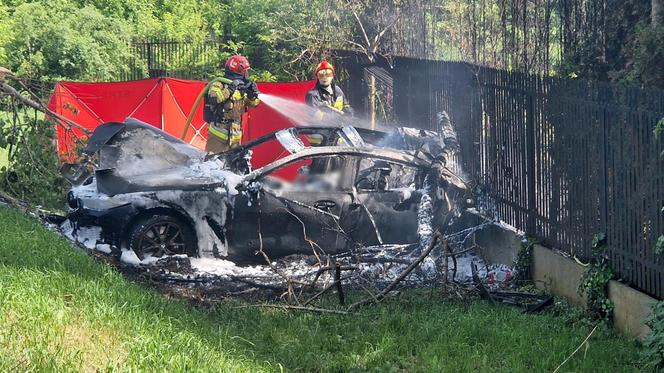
(236, 133)
(315, 139)
(219, 92)
(220, 130)
(339, 104)
(226, 131)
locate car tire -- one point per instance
(162, 234)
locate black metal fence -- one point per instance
(560, 160)
(179, 59)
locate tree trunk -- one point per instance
(656, 12)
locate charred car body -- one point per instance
(156, 195)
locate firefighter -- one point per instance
(326, 96)
(226, 101)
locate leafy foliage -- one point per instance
(659, 245)
(659, 128)
(49, 41)
(595, 280)
(652, 353)
(648, 56)
(524, 262)
(32, 173)
(4, 33)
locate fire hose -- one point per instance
(200, 97)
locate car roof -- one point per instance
(391, 155)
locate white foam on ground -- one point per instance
(129, 257)
(104, 248)
(67, 229)
(213, 266)
(221, 267)
(88, 236)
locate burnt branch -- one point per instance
(404, 274)
(36, 105)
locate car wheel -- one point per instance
(160, 235)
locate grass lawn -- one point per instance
(60, 310)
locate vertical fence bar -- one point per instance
(530, 172)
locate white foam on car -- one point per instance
(424, 220)
(205, 204)
(405, 193)
(86, 236)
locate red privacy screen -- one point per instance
(166, 103)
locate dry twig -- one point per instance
(297, 308)
(577, 349)
(403, 275)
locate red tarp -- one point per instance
(165, 103)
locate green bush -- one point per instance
(32, 173)
(595, 280)
(648, 56)
(57, 41)
(524, 262)
(653, 346)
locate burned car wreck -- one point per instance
(156, 195)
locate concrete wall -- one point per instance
(632, 309)
(498, 245)
(561, 276)
(557, 275)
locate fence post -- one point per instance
(148, 48)
(603, 181)
(531, 219)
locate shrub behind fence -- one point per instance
(178, 59)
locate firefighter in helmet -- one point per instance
(326, 96)
(226, 101)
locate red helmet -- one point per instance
(238, 64)
(324, 65)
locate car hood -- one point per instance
(136, 157)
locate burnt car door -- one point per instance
(301, 216)
(386, 201)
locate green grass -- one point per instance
(60, 310)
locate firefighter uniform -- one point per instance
(225, 102)
(330, 99)
(326, 96)
(225, 106)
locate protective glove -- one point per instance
(348, 111)
(252, 90)
(332, 109)
(236, 85)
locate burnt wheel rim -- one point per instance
(161, 238)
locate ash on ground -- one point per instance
(374, 267)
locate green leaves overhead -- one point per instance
(88, 40)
